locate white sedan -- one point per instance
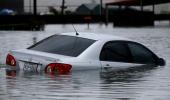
(66, 52)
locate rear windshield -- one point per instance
(64, 45)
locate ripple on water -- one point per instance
(149, 84)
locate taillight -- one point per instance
(10, 60)
(58, 68)
(11, 73)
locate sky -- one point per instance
(74, 3)
(71, 3)
(59, 2)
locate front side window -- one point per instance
(115, 51)
(64, 45)
(141, 54)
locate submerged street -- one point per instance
(150, 84)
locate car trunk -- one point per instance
(36, 59)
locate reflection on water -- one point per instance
(71, 86)
(34, 39)
(91, 84)
(149, 82)
(128, 75)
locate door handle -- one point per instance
(107, 65)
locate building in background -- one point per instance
(21, 6)
(160, 6)
(163, 9)
(88, 9)
(15, 5)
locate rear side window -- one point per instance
(115, 51)
(140, 54)
(64, 45)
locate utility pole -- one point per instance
(63, 7)
(101, 7)
(30, 6)
(35, 7)
(153, 8)
(141, 5)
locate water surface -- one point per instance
(149, 84)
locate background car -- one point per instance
(7, 12)
(67, 52)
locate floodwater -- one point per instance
(146, 84)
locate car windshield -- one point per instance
(64, 45)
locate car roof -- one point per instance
(95, 36)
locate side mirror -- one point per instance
(161, 62)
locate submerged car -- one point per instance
(66, 52)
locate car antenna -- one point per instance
(75, 30)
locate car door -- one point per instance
(141, 54)
(116, 55)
